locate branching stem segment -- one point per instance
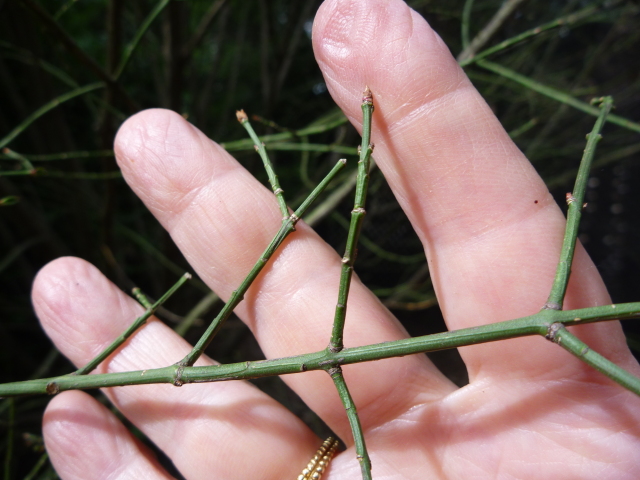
(537, 324)
(141, 320)
(354, 421)
(273, 178)
(560, 335)
(357, 216)
(575, 203)
(287, 227)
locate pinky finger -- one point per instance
(86, 441)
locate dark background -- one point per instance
(205, 59)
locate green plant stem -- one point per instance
(141, 320)
(194, 314)
(152, 251)
(141, 298)
(560, 335)
(556, 94)
(537, 324)
(273, 178)
(470, 48)
(466, 23)
(36, 468)
(378, 251)
(41, 172)
(312, 129)
(575, 203)
(45, 108)
(288, 226)
(356, 428)
(9, 439)
(558, 22)
(313, 147)
(60, 156)
(129, 49)
(52, 25)
(357, 216)
(525, 127)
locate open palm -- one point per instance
(492, 235)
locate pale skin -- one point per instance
(492, 235)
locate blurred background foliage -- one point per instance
(71, 71)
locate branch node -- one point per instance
(551, 306)
(52, 388)
(570, 198)
(241, 116)
(177, 379)
(552, 332)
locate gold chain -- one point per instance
(320, 461)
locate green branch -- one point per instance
(45, 108)
(259, 146)
(537, 324)
(129, 49)
(560, 335)
(556, 94)
(287, 227)
(356, 428)
(558, 22)
(575, 202)
(357, 216)
(141, 320)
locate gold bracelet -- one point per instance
(320, 461)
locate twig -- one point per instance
(556, 94)
(45, 108)
(59, 156)
(356, 428)
(129, 49)
(558, 22)
(141, 320)
(314, 128)
(560, 335)
(575, 203)
(490, 28)
(202, 28)
(287, 227)
(537, 324)
(76, 51)
(357, 216)
(273, 178)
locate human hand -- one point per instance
(492, 234)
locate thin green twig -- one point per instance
(469, 48)
(466, 23)
(141, 320)
(575, 202)
(558, 22)
(536, 324)
(379, 251)
(129, 49)
(357, 216)
(36, 468)
(556, 94)
(47, 107)
(286, 228)
(324, 124)
(9, 439)
(273, 178)
(356, 428)
(48, 157)
(560, 335)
